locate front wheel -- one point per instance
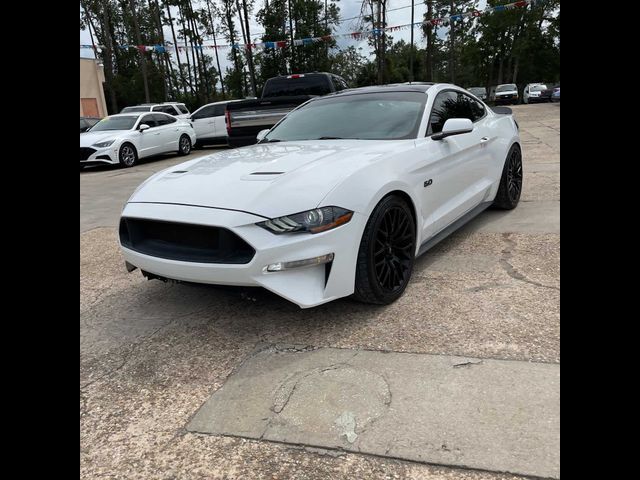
(127, 155)
(387, 253)
(510, 187)
(184, 145)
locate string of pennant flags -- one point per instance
(375, 32)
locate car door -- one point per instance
(150, 141)
(203, 122)
(168, 139)
(455, 165)
(219, 125)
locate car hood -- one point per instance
(507, 92)
(267, 179)
(89, 138)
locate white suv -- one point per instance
(178, 110)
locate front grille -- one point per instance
(185, 242)
(85, 152)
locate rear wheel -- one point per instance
(127, 156)
(510, 187)
(184, 145)
(387, 253)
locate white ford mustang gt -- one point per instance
(336, 199)
(126, 137)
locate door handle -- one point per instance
(484, 139)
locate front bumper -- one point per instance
(506, 99)
(92, 155)
(306, 286)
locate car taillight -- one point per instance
(227, 120)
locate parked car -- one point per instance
(532, 92)
(555, 95)
(209, 123)
(280, 95)
(479, 92)
(506, 93)
(178, 110)
(87, 122)
(126, 137)
(337, 199)
(545, 95)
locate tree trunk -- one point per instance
(107, 58)
(452, 36)
(429, 60)
(143, 60)
(193, 81)
(252, 71)
(215, 46)
(175, 45)
(292, 66)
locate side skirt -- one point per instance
(445, 232)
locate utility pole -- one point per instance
(252, 71)
(379, 37)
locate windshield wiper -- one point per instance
(329, 138)
(273, 140)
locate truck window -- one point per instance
(297, 85)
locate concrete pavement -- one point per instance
(152, 354)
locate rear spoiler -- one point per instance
(502, 110)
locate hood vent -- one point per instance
(267, 173)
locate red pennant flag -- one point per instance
(142, 48)
(476, 13)
(326, 38)
(281, 44)
(520, 4)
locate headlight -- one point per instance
(312, 221)
(104, 144)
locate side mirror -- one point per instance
(262, 134)
(454, 126)
(143, 126)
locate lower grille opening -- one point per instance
(85, 152)
(184, 241)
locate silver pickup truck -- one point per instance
(280, 95)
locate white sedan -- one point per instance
(127, 137)
(337, 199)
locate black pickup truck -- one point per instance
(246, 118)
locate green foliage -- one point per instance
(520, 46)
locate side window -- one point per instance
(163, 119)
(182, 109)
(206, 112)
(477, 109)
(149, 120)
(336, 83)
(345, 85)
(444, 108)
(218, 110)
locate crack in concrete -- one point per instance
(507, 254)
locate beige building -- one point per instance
(92, 103)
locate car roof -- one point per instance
(420, 87)
(129, 114)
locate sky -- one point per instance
(348, 9)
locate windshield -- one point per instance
(478, 90)
(538, 88)
(115, 123)
(506, 88)
(369, 116)
(135, 109)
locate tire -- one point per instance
(184, 145)
(127, 155)
(383, 274)
(510, 187)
